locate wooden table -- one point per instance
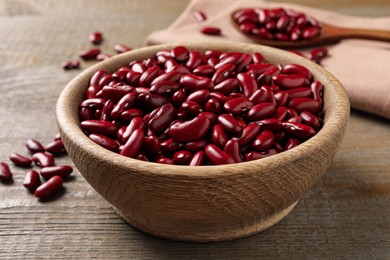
(345, 215)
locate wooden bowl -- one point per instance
(204, 203)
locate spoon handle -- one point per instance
(334, 32)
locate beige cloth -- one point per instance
(362, 66)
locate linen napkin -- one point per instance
(362, 66)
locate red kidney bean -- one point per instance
(238, 105)
(232, 148)
(217, 156)
(102, 56)
(142, 157)
(295, 119)
(31, 180)
(92, 91)
(95, 103)
(5, 172)
(105, 80)
(106, 111)
(233, 58)
(86, 114)
(299, 130)
(133, 144)
(218, 96)
(317, 54)
(123, 104)
(131, 113)
(55, 147)
(96, 77)
(257, 57)
(151, 145)
(191, 108)
(20, 160)
(173, 76)
(165, 161)
(132, 77)
(180, 53)
(115, 93)
(290, 81)
(190, 130)
(299, 92)
(204, 70)
(193, 83)
(96, 38)
(199, 16)
(271, 124)
(195, 146)
(213, 106)
(210, 116)
(297, 69)
(227, 86)
(180, 69)
(218, 136)
(229, 123)
(291, 143)
(258, 69)
(121, 48)
(305, 104)
(43, 159)
(211, 30)
(182, 157)
(197, 159)
(260, 111)
(248, 134)
(89, 54)
(310, 32)
(179, 96)
(222, 73)
(71, 64)
(34, 146)
(51, 171)
(170, 145)
(259, 155)
(264, 141)
(281, 98)
(162, 119)
(99, 127)
(317, 88)
(135, 123)
(49, 188)
(199, 96)
(149, 75)
(194, 60)
(105, 142)
(310, 120)
(165, 87)
(247, 84)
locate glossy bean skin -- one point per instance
(135, 123)
(190, 130)
(227, 86)
(121, 48)
(297, 69)
(261, 111)
(219, 136)
(31, 180)
(264, 141)
(99, 127)
(193, 83)
(5, 172)
(299, 130)
(199, 96)
(61, 170)
(216, 155)
(197, 159)
(20, 160)
(290, 81)
(49, 188)
(162, 119)
(211, 30)
(305, 104)
(55, 147)
(133, 144)
(170, 145)
(199, 16)
(96, 37)
(248, 134)
(259, 155)
(247, 83)
(89, 54)
(43, 159)
(151, 145)
(232, 148)
(182, 157)
(34, 146)
(229, 123)
(237, 105)
(71, 64)
(105, 142)
(195, 146)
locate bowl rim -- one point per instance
(335, 118)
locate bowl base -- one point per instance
(231, 234)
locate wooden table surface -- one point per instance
(346, 215)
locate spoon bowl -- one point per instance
(328, 34)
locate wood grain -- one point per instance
(346, 215)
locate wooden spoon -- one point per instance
(329, 33)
